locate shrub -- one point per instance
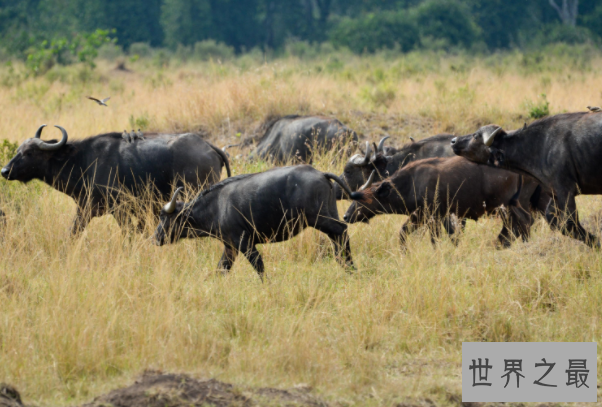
(376, 31)
(539, 110)
(300, 49)
(82, 47)
(209, 49)
(141, 49)
(562, 33)
(7, 151)
(110, 52)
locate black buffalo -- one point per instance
(359, 167)
(295, 137)
(434, 188)
(252, 209)
(96, 171)
(563, 152)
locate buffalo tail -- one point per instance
(336, 179)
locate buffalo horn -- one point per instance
(39, 131)
(488, 138)
(381, 143)
(368, 152)
(42, 145)
(171, 205)
(368, 183)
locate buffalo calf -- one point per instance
(435, 187)
(251, 209)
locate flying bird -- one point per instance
(101, 102)
(594, 109)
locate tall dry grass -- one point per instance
(80, 316)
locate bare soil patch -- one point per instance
(155, 389)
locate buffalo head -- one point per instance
(367, 201)
(173, 221)
(358, 168)
(32, 157)
(478, 147)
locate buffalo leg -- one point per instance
(505, 238)
(562, 214)
(227, 260)
(435, 230)
(256, 261)
(342, 250)
(450, 228)
(521, 222)
(337, 232)
(410, 226)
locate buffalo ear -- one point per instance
(380, 163)
(496, 157)
(383, 190)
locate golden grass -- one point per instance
(81, 316)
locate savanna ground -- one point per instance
(79, 317)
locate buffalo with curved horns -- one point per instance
(563, 152)
(434, 188)
(251, 209)
(300, 137)
(359, 167)
(96, 171)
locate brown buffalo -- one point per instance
(433, 188)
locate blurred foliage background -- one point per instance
(48, 29)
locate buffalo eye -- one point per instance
(383, 190)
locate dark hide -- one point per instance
(96, 170)
(433, 188)
(385, 165)
(252, 209)
(563, 152)
(298, 137)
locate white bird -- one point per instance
(101, 102)
(594, 109)
(140, 135)
(126, 136)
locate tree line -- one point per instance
(361, 25)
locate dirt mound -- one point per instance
(9, 396)
(155, 389)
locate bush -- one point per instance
(539, 110)
(209, 49)
(376, 31)
(110, 52)
(141, 49)
(62, 51)
(300, 49)
(448, 21)
(562, 33)
(7, 151)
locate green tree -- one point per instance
(447, 20)
(186, 22)
(376, 31)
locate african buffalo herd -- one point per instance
(440, 180)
